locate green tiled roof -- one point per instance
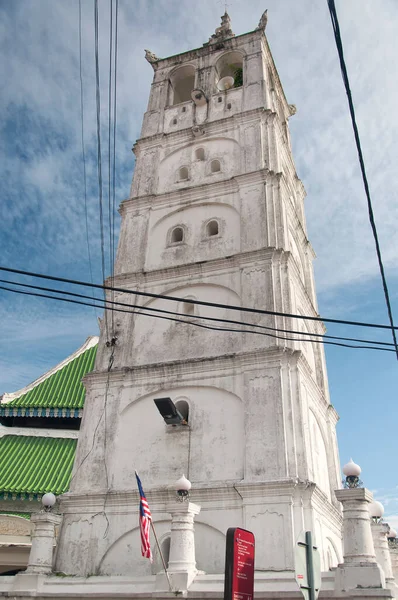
(32, 466)
(59, 395)
(24, 515)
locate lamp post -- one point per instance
(41, 552)
(392, 538)
(359, 568)
(182, 564)
(380, 533)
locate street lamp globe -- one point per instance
(48, 500)
(376, 511)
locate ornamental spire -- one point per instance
(224, 31)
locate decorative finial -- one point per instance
(352, 472)
(223, 32)
(182, 487)
(151, 57)
(262, 24)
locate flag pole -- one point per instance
(161, 555)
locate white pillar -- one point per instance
(359, 568)
(383, 557)
(41, 552)
(182, 564)
(394, 560)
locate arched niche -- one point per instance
(182, 405)
(161, 254)
(207, 453)
(209, 548)
(123, 557)
(333, 555)
(176, 235)
(182, 81)
(215, 166)
(212, 228)
(229, 65)
(159, 340)
(224, 149)
(200, 154)
(187, 309)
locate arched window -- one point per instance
(188, 308)
(177, 235)
(183, 408)
(183, 174)
(157, 565)
(212, 228)
(182, 83)
(200, 154)
(230, 65)
(165, 547)
(215, 166)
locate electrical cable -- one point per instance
(201, 325)
(83, 150)
(110, 145)
(114, 145)
(339, 44)
(197, 302)
(140, 308)
(99, 153)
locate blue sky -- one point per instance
(42, 219)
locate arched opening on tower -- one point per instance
(165, 547)
(183, 408)
(215, 166)
(200, 154)
(157, 565)
(177, 235)
(183, 174)
(182, 83)
(230, 65)
(212, 228)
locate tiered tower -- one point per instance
(215, 213)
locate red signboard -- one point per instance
(239, 565)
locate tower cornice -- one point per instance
(200, 191)
(188, 134)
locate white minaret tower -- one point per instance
(215, 213)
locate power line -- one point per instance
(83, 150)
(110, 144)
(99, 154)
(190, 322)
(339, 44)
(114, 145)
(191, 301)
(141, 308)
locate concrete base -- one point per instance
(27, 583)
(359, 576)
(180, 582)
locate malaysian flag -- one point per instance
(145, 522)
